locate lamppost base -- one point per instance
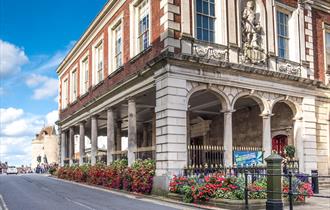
(274, 205)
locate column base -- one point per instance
(274, 205)
(160, 185)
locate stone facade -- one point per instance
(45, 145)
(180, 93)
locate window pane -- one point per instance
(211, 24)
(211, 36)
(282, 34)
(205, 20)
(199, 33)
(206, 35)
(212, 11)
(199, 5)
(199, 21)
(205, 7)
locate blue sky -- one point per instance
(35, 36)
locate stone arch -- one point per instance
(294, 106)
(223, 98)
(262, 102)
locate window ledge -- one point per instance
(98, 85)
(83, 95)
(119, 69)
(286, 60)
(140, 54)
(73, 102)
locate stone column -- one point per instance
(266, 135)
(118, 135)
(298, 141)
(94, 139)
(171, 128)
(63, 149)
(131, 131)
(110, 135)
(145, 135)
(71, 146)
(81, 142)
(228, 138)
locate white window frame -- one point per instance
(294, 50)
(65, 92)
(74, 84)
(84, 84)
(98, 67)
(112, 44)
(220, 23)
(287, 38)
(134, 22)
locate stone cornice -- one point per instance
(323, 5)
(90, 30)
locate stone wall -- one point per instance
(322, 135)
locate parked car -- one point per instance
(12, 170)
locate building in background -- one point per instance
(45, 147)
(190, 83)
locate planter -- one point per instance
(226, 203)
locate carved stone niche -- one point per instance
(252, 34)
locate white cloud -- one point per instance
(53, 61)
(12, 58)
(35, 79)
(10, 114)
(17, 131)
(51, 117)
(48, 89)
(44, 87)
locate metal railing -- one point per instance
(226, 171)
(102, 158)
(146, 153)
(290, 191)
(119, 155)
(201, 155)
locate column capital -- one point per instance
(228, 111)
(130, 100)
(82, 122)
(94, 116)
(109, 108)
(266, 115)
(298, 118)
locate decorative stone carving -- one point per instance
(290, 69)
(251, 36)
(210, 53)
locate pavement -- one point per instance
(39, 192)
(315, 203)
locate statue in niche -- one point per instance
(251, 35)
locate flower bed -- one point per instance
(137, 178)
(216, 186)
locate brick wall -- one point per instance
(129, 67)
(319, 18)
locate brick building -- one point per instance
(192, 82)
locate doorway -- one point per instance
(278, 144)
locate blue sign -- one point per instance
(246, 158)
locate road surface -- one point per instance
(38, 192)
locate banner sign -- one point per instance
(246, 158)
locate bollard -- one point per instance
(315, 181)
(274, 182)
